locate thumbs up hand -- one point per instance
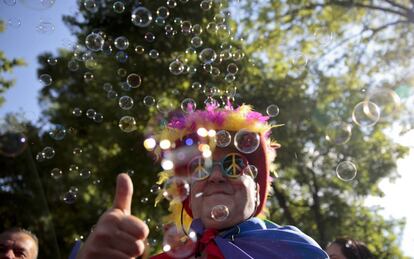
(117, 233)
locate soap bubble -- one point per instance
(134, 80)
(121, 56)
(176, 67)
(196, 85)
(149, 37)
(251, 171)
(40, 157)
(77, 112)
(90, 113)
(232, 68)
(73, 65)
(73, 168)
(176, 188)
(112, 94)
(366, 114)
(220, 213)
(211, 27)
(12, 144)
(144, 200)
(118, 7)
(70, 197)
(171, 3)
(186, 27)
(272, 110)
(223, 138)
(206, 5)
(207, 56)
(91, 6)
(164, 105)
(163, 12)
(56, 173)
(139, 49)
(188, 105)
(45, 27)
(121, 43)
(85, 173)
(346, 171)
(52, 61)
(39, 4)
(77, 151)
(88, 77)
(155, 189)
(98, 118)
(14, 22)
(178, 244)
(149, 101)
(48, 152)
(387, 101)
(154, 54)
(58, 132)
(141, 17)
(338, 133)
(45, 79)
(210, 101)
(229, 77)
(126, 102)
(127, 124)
(94, 42)
(246, 141)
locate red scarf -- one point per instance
(205, 244)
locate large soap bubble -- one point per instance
(141, 17)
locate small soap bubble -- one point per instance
(90, 5)
(176, 188)
(56, 173)
(85, 173)
(272, 110)
(210, 101)
(52, 61)
(206, 5)
(160, 21)
(12, 144)
(149, 37)
(223, 138)
(155, 189)
(338, 133)
(165, 105)
(70, 197)
(90, 113)
(118, 7)
(14, 23)
(176, 67)
(121, 72)
(73, 65)
(40, 157)
(214, 72)
(246, 141)
(134, 80)
(237, 55)
(45, 27)
(98, 118)
(141, 17)
(232, 68)
(73, 168)
(188, 105)
(149, 100)
(220, 213)
(58, 132)
(196, 85)
(178, 244)
(45, 79)
(139, 49)
(171, 3)
(366, 114)
(207, 56)
(126, 102)
(121, 43)
(211, 27)
(96, 182)
(121, 56)
(88, 77)
(127, 124)
(229, 78)
(77, 151)
(77, 112)
(196, 42)
(154, 54)
(144, 200)
(74, 189)
(48, 152)
(346, 171)
(112, 94)
(130, 172)
(387, 101)
(186, 27)
(163, 12)
(251, 171)
(94, 42)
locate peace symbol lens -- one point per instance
(232, 166)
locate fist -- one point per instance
(117, 235)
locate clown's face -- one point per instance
(239, 195)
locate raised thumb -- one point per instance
(123, 193)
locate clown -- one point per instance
(221, 158)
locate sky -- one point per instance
(27, 41)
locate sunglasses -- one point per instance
(232, 166)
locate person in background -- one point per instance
(225, 154)
(18, 243)
(347, 248)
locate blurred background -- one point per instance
(83, 83)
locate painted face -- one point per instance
(334, 252)
(238, 194)
(14, 245)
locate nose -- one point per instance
(216, 176)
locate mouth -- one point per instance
(216, 193)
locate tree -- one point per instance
(266, 53)
(6, 67)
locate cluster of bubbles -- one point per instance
(47, 153)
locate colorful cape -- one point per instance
(255, 238)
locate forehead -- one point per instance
(19, 239)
